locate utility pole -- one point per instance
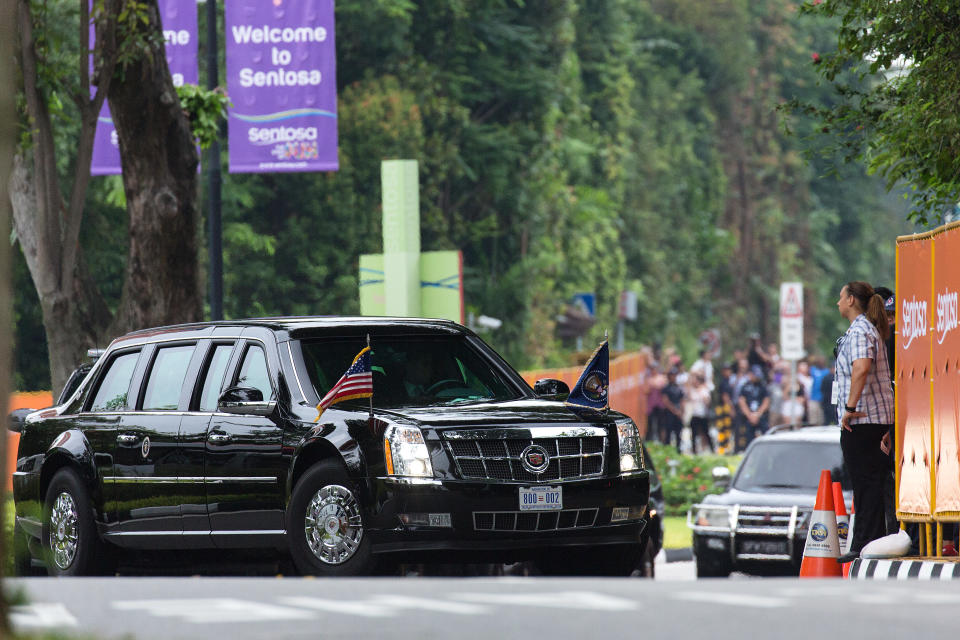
(214, 225)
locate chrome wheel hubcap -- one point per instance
(64, 526)
(333, 525)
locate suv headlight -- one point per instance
(716, 517)
(631, 453)
(406, 452)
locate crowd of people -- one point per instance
(699, 409)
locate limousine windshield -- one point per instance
(412, 371)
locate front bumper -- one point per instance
(485, 516)
(755, 537)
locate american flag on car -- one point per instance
(357, 382)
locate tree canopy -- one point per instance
(564, 146)
(895, 70)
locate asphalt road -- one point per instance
(240, 608)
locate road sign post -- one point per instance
(791, 330)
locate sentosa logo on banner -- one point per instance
(913, 320)
(179, 19)
(946, 314)
(281, 79)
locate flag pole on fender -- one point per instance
(371, 384)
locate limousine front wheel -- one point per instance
(325, 524)
(70, 537)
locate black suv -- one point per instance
(759, 525)
(207, 436)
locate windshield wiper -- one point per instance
(779, 486)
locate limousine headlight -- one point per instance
(406, 452)
(631, 453)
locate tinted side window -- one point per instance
(213, 379)
(253, 372)
(166, 378)
(112, 392)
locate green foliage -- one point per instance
(896, 80)
(686, 478)
(563, 146)
(206, 109)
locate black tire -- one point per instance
(647, 566)
(605, 560)
(337, 545)
(70, 541)
(708, 569)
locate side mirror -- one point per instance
(244, 401)
(17, 419)
(721, 477)
(551, 389)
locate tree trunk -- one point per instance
(160, 180)
(75, 317)
(8, 137)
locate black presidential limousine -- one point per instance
(206, 436)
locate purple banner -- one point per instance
(281, 79)
(179, 18)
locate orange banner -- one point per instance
(23, 400)
(912, 376)
(946, 372)
(626, 381)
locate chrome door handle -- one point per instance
(126, 438)
(219, 437)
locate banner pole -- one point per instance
(215, 232)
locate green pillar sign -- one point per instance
(402, 281)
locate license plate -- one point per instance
(541, 498)
(766, 547)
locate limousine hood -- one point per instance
(510, 413)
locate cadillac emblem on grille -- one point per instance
(535, 459)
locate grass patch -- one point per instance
(676, 533)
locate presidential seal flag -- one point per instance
(592, 389)
(357, 382)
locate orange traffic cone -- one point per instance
(843, 528)
(843, 520)
(823, 546)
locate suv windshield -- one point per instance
(411, 371)
(790, 466)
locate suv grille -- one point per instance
(497, 458)
(763, 520)
(534, 521)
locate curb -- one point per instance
(862, 569)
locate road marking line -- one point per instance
(206, 610)
(427, 604)
(555, 599)
(368, 609)
(382, 605)
(736, 600)
(42, 615)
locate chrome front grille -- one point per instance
(765, 520)
(495, 454)
(534, 520)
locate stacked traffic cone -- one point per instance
(843, 524)
(823, 546)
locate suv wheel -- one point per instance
(325, 524)
(70, 541)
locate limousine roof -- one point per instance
(300, 326)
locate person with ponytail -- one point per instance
(864, 399)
